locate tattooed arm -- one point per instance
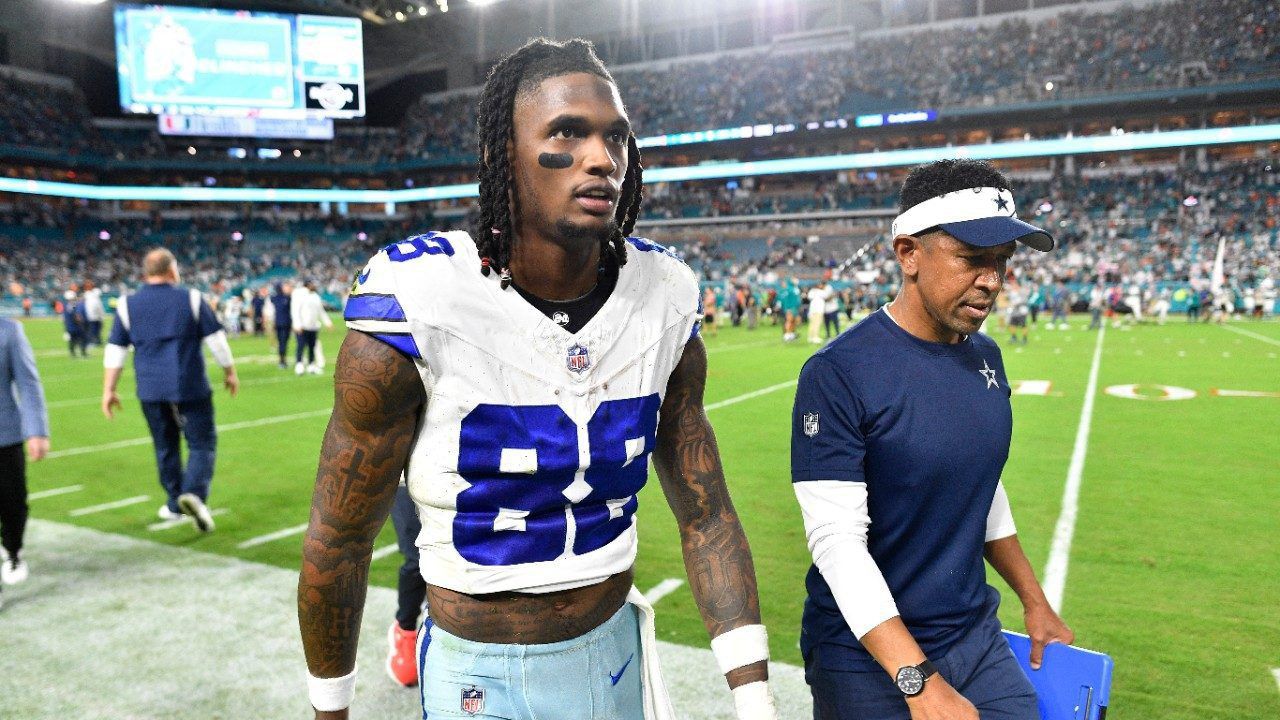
(378, 395)
(716, 555)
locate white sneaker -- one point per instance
(166, 514)
(13, 572)
(299, 369)
(313, 369)
(195, 507)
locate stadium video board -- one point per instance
(199, 61)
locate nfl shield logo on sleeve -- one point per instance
(578, 359)
(811, 424)
(472, 700)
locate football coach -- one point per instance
(900, 433)
(165, 324)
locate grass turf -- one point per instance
(1173, 571)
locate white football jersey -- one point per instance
(534, 441)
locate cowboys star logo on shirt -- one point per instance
(811, 424)
(989, 374)
(472, 700)
(578, 359)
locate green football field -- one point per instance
(1173, 566)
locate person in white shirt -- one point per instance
(93, 312)
(231, 316)
(308, 315)
(817, 308)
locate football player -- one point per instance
(521, 376)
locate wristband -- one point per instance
(332, 694)
(753, 701)
(740, 647)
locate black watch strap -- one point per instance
(927, 669)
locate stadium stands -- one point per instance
(1072, 54)
(1149, 226)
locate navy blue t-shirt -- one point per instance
(926, 426)
(282, 307)
(166, 338)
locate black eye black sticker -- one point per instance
(555, 161)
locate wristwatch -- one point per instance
(910, 679)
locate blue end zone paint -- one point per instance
(373, 306)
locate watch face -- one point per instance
(910, 681)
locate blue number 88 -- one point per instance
(526, 503)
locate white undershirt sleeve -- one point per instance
(1000, 517)
(836, 522)
(113, 356)
(218, 347)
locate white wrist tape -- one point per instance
(753, 701)
(332, 694)
(740, 647)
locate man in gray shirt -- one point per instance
(22, 416)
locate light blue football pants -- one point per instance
(592, 677)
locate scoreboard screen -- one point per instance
(198, 61)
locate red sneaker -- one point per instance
(402, 660)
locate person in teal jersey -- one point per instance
(789, 298)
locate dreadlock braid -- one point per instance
(615, 246)
(493, 229)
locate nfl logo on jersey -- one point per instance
(578, 359)
(811, 424)
(472, 700)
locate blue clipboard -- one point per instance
(1071, 684)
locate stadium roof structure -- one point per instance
(378, 12)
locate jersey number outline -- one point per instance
(419, 245)
(533, 498)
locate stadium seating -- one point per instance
(1162, 45)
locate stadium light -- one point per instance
(1129, 142)
(86, 2)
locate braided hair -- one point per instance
(522, 70)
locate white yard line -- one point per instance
(271, 537)
(109, 506)
(1055, 572)
(1276, 673)
(750, 395)
(55, 491)
(384, 551)
(184, 520)
(96, 399)
(221, 428)
(1252, 334)
(662, 589)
